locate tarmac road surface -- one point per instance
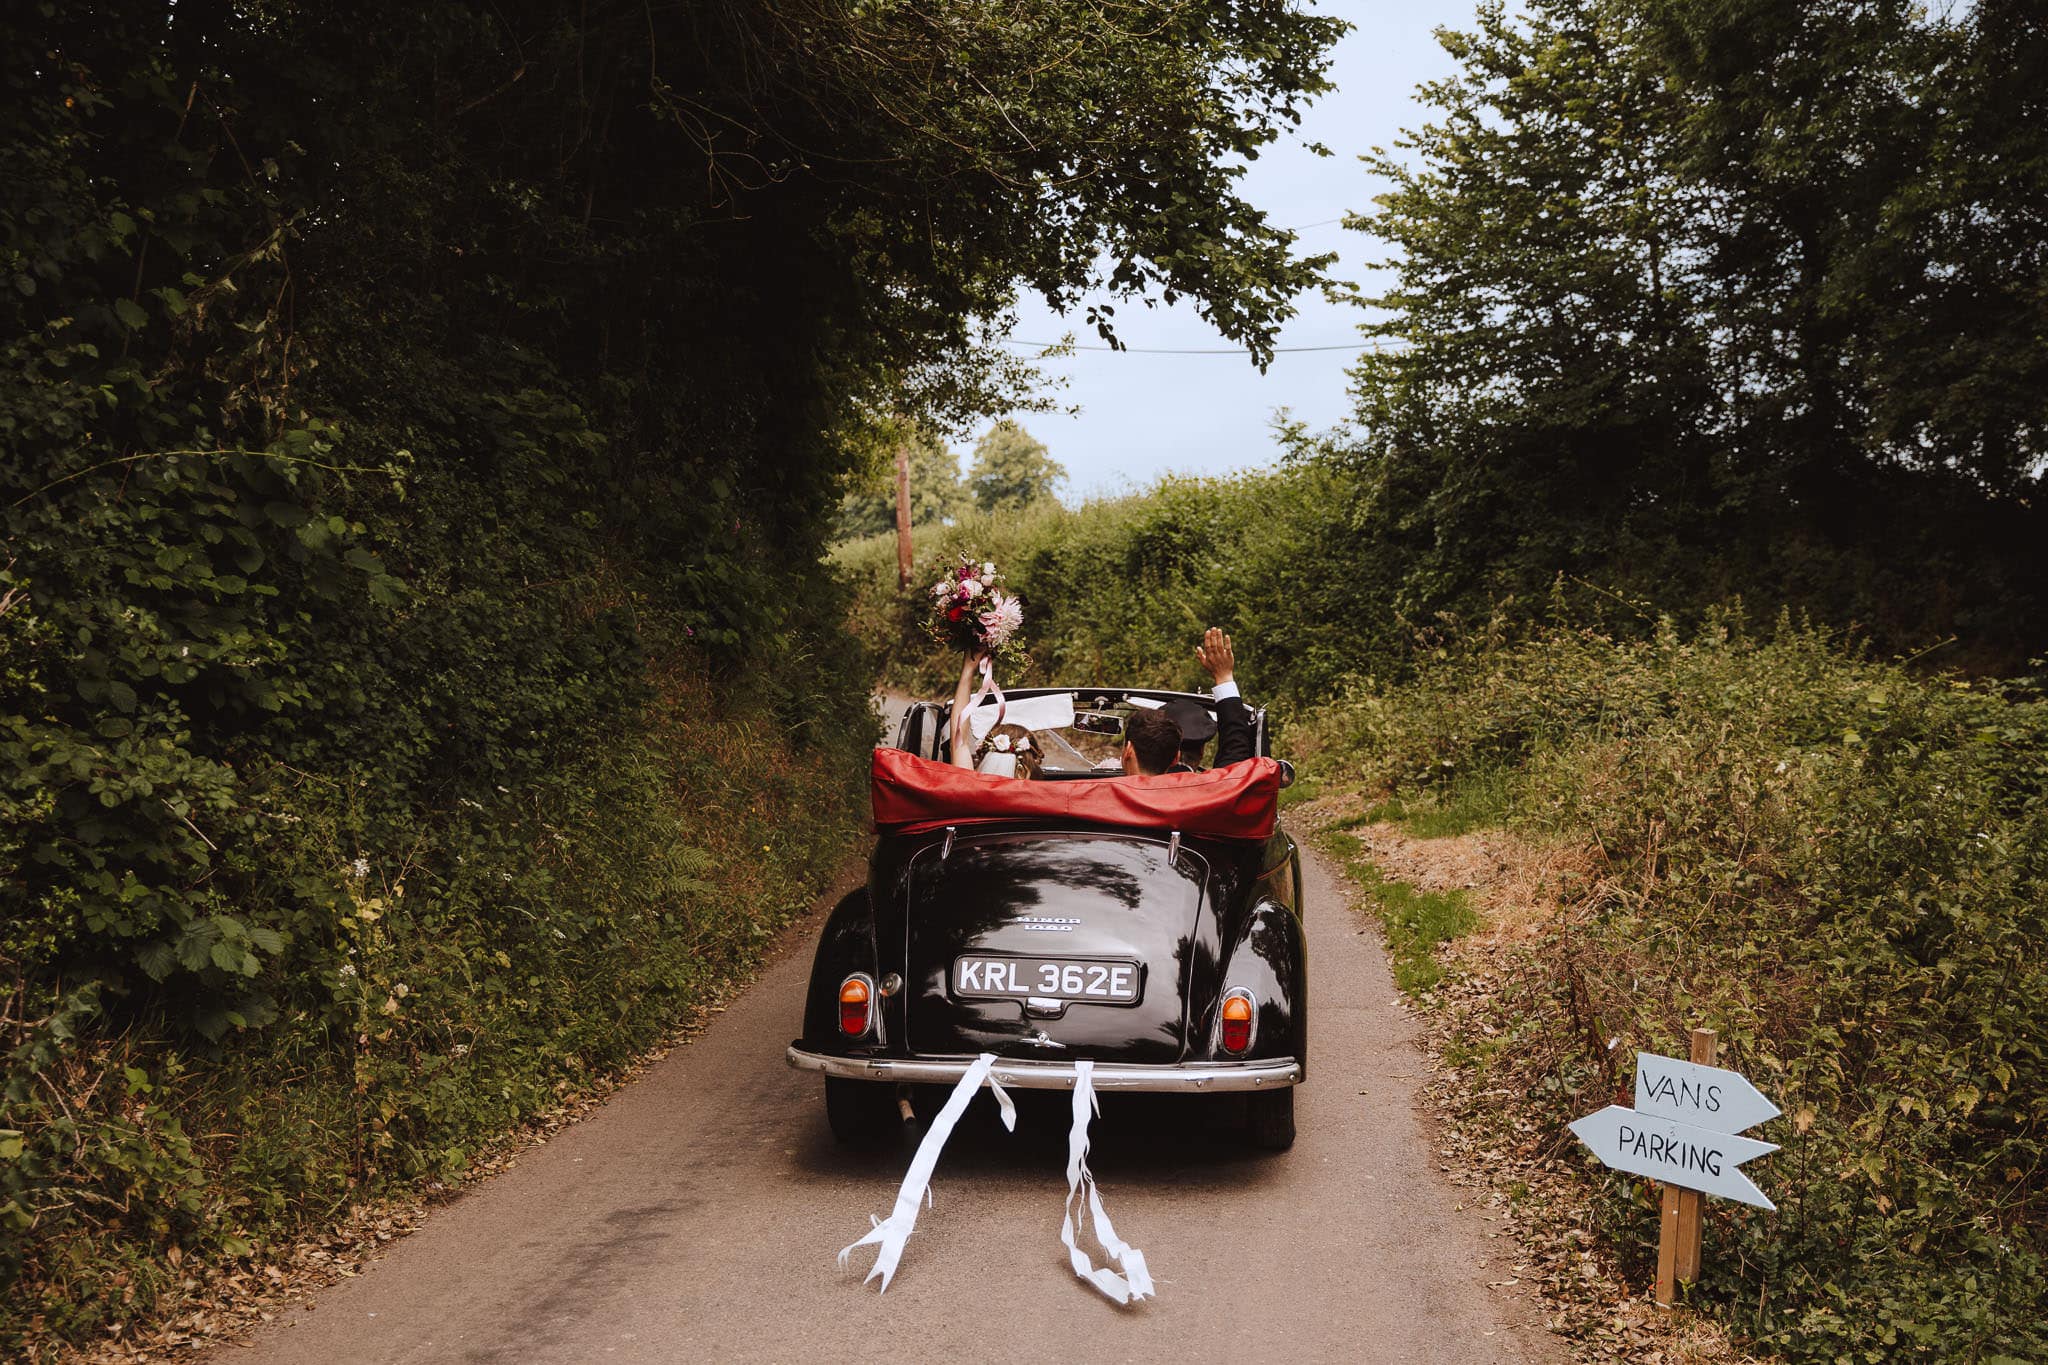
(697, 1216)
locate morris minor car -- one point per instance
(1151, 925)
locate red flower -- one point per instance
(956, 613)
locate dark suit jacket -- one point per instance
(1233, 731)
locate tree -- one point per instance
(937, 494)
(1699, 297)
(1011, 469)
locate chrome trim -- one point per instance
(1187, 1077)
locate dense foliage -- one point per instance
(1840, 867)
(417, 434)
(1699, 297)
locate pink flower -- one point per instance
(1001, 620)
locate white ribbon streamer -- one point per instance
(988, 682)
(892, 1232)
(1136, 1281)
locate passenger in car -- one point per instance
(1151, 743)
(1232, 722)
(1008, 751)
(1197, 728)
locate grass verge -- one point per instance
(1415, 922)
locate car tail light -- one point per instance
(856, 996)
(1239, 1013)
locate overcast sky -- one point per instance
(1143, 415)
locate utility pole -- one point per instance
(903, 514)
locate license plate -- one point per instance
(1048, 978)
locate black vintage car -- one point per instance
(1126, 930)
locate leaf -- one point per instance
(156, 959)
(131, 314)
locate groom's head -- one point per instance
(1151, 743)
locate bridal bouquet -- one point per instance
(971, 612)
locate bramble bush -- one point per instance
(1841, 866)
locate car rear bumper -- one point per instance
(1032, 1074)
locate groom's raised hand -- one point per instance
(1216, 656)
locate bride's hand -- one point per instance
(958, 732)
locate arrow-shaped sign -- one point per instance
(1703, 1096)
(1676, 1153)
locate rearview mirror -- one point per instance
(1286, 773)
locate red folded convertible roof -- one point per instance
(1234, 802)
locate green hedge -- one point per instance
(1120, 589)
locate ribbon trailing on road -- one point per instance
(891, 1233)
(1136, 1281)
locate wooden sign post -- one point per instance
(1683, 1132)
(1678, 1231)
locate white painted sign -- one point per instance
(1676, 1153)
(1703, 1096)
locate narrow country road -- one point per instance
(698, 1214)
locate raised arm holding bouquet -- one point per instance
(974, 615)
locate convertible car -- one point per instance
(1151, 925)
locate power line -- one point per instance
(1200, 350)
